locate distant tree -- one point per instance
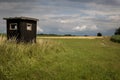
(117, 32)
(67, 35)
(99, 34)
(86, 35)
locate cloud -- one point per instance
(39, 30)
(82, 28)
(86, 28)
(114, 17)
(104, 2)
(61, 16)
(16, 0)
(67, 21)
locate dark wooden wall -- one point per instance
(13, 33)
(22, 34)
(27, 35)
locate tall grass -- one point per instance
(60, 59)
(27, 61)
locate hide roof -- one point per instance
(22, 18)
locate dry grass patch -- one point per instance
(72, 37)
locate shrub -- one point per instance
(99, 34)
(115, 38)
(117, 32)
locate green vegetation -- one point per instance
(54, 35)
(115, 38)
(60, 59)
(117, 32)
(99, 34)
(2, 34)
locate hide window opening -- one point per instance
(29, 26)
(13, 26)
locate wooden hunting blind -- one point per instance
(22, 29)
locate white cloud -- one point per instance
(66, 21)
(93, 27)
(82, 28)
(85, 28)
(39, 30)
(114, 17)
(63, 21)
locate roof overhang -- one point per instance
(22, 18)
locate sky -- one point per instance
(76, 17)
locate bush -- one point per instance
(117, 32)
(99, 34)
(115, 38)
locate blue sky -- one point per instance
(77, 17)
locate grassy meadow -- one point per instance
(60, 59)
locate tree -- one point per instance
(67, 35)
(99, 34)
(117, 32)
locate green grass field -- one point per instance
(60, 59)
